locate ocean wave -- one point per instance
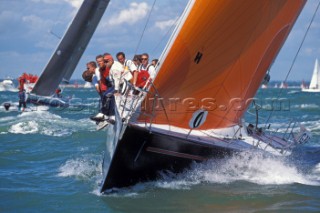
(28, 127)
(294, 127)
(316, 171)
(46, 123)
(309, 106)
(3, 89)
(313, 126)
(7, 119)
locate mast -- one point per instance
(70, 49)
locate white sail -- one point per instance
(68, 53)
(315, 80)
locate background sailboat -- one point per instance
(69, 51)
(315, 80)
(8, 85)
(303, 85)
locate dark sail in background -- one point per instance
(68, 53)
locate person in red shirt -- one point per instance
(106, 91)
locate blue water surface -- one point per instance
(50, 161)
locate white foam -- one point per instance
(309, 106)
(315, 174)
(83, 168)
(87, 168)
(28, 127)
(7, 119)
(247, 166)
(46, 123)
(254, 168)
(317, 169)
(293, 92)
(184, 181)
(10, 89)
(313, 126)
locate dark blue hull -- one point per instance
(47, 101)
(140, 156)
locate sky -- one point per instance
(30, 31)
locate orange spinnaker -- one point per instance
(219, 59)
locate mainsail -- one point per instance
(68, 53)
(315, 80)
(217, 59)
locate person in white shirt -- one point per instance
(117, 73)
(128, 65)
(91, 67)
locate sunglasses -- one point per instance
(144, 58)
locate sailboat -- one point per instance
(68, 53)
(315, 80)
(303, 85)
(8, 85)
(283, 85)
(207, 76)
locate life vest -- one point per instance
(103, 81)
(143, 76)
(22, 81)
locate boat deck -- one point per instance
(236, 137)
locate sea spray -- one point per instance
(85, 167)
(253, 167)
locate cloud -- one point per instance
(136, 12)
(166, 24)
(36, 22)
(74, 3)
(47, 1)
(308, 51)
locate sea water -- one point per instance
(51, 161)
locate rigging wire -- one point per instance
(295, 57)
(145, 26)
(166, 34)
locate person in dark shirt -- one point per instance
(22, 99)
(58, 93)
